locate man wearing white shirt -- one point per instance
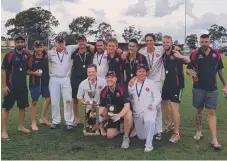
(156, 72)
(145, 98)
(100, 59)
(92, 82)
(60, 65)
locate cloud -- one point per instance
(122, 22)
(100, 15)
(46, 2)
(139, 9)
(12, 6)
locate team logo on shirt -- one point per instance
(214, 55)
(147, 89)
(200, 57)
(117, 94)
(157, 55)
(117, 59)
(172, 57)
(137, 61)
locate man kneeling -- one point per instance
(116, 100)
(145, 97)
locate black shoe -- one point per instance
(68, 127)
(55, 126)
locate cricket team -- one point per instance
(144, 86)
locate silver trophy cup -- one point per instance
(91, 93)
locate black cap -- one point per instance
(81, 37)
(38, 43)
(139, 66)
(59, 39)
(19, 37)
(111, 73)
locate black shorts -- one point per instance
(173, 95)
(114, 125)
(75, 82)
(21, 96)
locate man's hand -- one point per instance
(190, 72)
(116, 116)
(177, 54)
(132, 81)
(177, 48)
(150, 107)
(37, 73)
(124, 55)
(5, 90)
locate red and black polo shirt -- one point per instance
(35, 64)
(206, 67)
(117, 98)
(130, 66)
(16, 66)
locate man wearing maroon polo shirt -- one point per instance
(205, 64)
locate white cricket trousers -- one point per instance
(145, 126)
(159, 110)
(57, 87)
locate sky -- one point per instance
(150, 16)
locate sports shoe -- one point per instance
(125, 143)
(68, 127)
(158, 136)
(174, 138)
(148, 148)
(55, 126)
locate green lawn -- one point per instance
(57, 144)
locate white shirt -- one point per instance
(100, 60)
(60, 62)
(84, 87)
(150, 95)
(155, 62)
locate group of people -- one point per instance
(139, 84)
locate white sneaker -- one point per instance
(148, 148)
(125, 143)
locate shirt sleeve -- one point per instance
(145, 60)
(72, 48)
(80, 93)
(102, 100)
(6, 62)
(126, 95)
(156, 95)
(30, 59)
(220, 64)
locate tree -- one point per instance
(82, 25)
(104, 31)
(217, 33)
(131, 32)
(69, 37)
(158, 36)
(192, 41)
(34, 23)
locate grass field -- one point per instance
(47, 144)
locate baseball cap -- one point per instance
(59, 39)
(38, 43)
(81, 37)
(19, 37)
(111, 73)
(140, 66)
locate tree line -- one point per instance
(37, 23)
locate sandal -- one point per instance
(158, 136)
(216, 147)
(198, 136)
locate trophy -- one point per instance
(112, 111)
(91, 115)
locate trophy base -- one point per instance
(91, 133)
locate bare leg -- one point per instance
(103, 112)
(5, 117)
(33, 116)
(76, 111)
(43, 119)
(212, 126)
(198, 124)
(176, 116)
(21, 121)
(127, 123)
(167, 115)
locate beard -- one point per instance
(204, 48)
(20, 48)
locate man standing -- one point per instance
(173, 86)
(156, 72)
(205, 63)
(39, 82)
(115, 97)
(145, 97)
(14, 84)
(92, 83)
(133, 59)
(60, 64)
(81, 57)
(100, 59)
